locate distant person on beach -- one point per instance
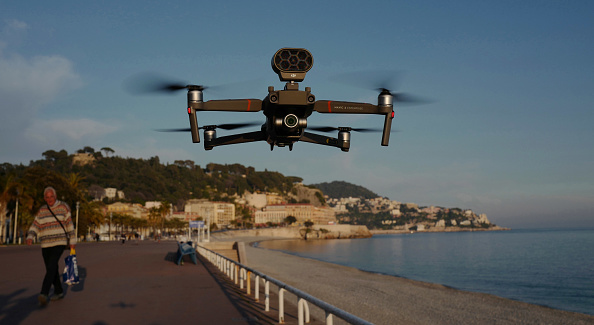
(54, 229)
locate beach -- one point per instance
(383, 299)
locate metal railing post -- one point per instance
(302, 311)
(257, 288)
(232, 268)
(281, 305)
(249, 282)
(242, 276)
(267, 294)
(329, 320)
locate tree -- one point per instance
(54, 156)
(74, 180)
(107, 151)
(290, 220)
(164, 210)
(176, 224)
(154, 219)
(15, 191)
(91, 216)
(8, 193)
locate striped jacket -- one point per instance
(48, 230)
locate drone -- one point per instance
(286, 110)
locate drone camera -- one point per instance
(290, 121)
(291, 64)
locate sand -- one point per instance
(383, 299)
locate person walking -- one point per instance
(54, 229)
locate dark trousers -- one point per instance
(51, 257)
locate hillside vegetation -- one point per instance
(143, 180)
(340, 189)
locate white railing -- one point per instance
(240, 273)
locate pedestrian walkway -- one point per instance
(132, 283)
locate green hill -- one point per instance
(339, 189)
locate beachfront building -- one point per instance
(220, 213)
(302, 212)
(273, 214)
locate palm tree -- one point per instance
(164, 210)
(154, 219)
(15, 190)
(74, 180)
(8, 188)
(91, 216)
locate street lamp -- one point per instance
(208, 227)
(16, 218)
(77, 206)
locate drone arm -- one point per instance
(229, 105)
(235, 139)
(385, 108)
(324, 140)
(330, 106)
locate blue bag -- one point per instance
(70, 275)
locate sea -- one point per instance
(549, 267)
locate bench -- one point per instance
(185, 249)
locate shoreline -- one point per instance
(389, 299)
(436, 229)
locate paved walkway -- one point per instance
(133, 283)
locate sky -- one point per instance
(506, 130)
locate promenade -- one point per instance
(132, 283)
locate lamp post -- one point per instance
(208, 227)
(77, 206)
(16, 218)
(110, 215)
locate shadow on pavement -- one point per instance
(14, 310)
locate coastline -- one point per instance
(436, 229)
(386, 299)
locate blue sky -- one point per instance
(508, 131)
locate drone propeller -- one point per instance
(228, 126)
(403, 97)
(166, 87)
(384, 81)
(148, 82)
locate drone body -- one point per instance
(286, 110)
